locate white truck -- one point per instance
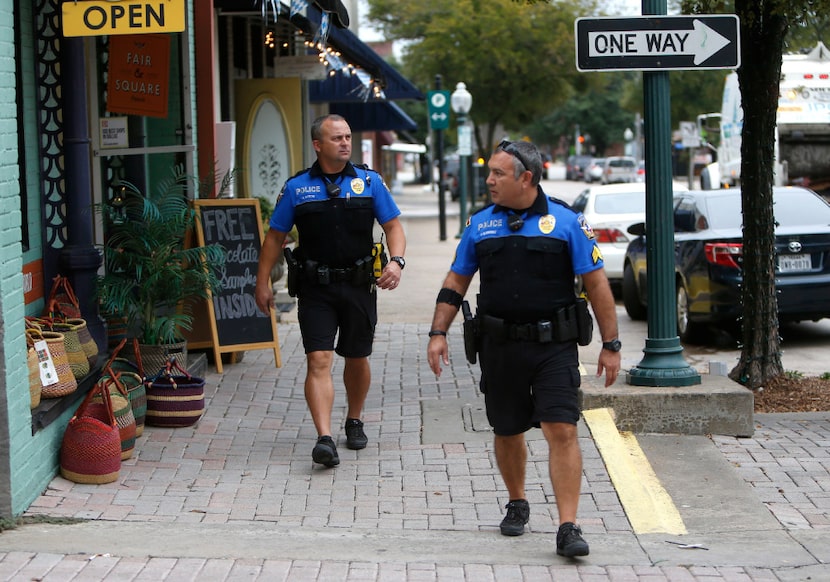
(802, 137)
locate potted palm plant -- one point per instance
(151, 273)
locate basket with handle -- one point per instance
(123, 412)
(127, 375)
(60, 381)
(174, 397)
(91, 447)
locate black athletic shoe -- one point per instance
(569, 541)
(325, 452)
(518, 512)
(355, 437)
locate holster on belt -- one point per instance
(584, 322)
(294, 272)
(471, 333)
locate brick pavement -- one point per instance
(237, 496)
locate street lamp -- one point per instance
(628, 135)
(461, 102)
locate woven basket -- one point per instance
(91, 447)
(66, 384)
(155, 357)
(132, 381)
(137, 393)
(34, 376)
(88, 345)
(74, 351)
(123, 411)
(174, 399)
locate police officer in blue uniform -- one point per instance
(527, 247)
(334, 205)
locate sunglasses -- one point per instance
(510, 148)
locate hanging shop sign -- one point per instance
(108, 17)
(139, 75)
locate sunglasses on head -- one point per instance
(510, 148)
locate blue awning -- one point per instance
(348, 88)
(374, 116)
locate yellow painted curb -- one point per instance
(648, 506)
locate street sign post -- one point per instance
(438, 109)
(657, 43)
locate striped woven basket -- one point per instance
(88, 345)
(78, 361)
(134, 384)
(174, 397)
(123, 411)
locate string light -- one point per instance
(269, 39)
(334, 62)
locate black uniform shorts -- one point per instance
(323, 310)
(527, 383)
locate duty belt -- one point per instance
(325, 275)
(557, 329)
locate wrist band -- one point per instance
(435, 332)
(449, 296)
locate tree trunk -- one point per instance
(762, 38)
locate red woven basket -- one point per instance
(91, 447)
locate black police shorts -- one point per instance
(527, 383)
(340, 310)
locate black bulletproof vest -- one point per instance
(524, 279)
(336, 232)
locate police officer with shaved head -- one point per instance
(335, 273)
(527, 248)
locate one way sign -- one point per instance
(657, 43)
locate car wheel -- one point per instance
(631, 299)
(686, 329)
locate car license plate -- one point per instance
(794, 263)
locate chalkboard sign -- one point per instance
(236, 323)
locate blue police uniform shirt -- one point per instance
(338, 230)
(527, 273)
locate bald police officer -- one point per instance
(527, 248)
(334, 205)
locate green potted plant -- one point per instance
(151, 273)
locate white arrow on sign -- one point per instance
(441, 116)
(702, 42)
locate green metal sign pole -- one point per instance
(663, 363)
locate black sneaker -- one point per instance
(355, 437)
(518, 512)
(325, 452)
(569, 541)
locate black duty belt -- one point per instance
(561, 327)
(325, 275)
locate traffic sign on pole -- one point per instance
(438, 109)
(658, 43)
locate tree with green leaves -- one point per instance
(517, 59)
(764, 25)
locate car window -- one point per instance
(622, 203)
(622, 163)
(580, 202)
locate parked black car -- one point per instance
(708, 259)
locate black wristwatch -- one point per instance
(614, 345)
(400, 260)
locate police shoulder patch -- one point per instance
(585, 227)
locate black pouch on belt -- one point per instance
(294, 272)
(585, 322)
(470, 333)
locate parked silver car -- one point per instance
(619, 169)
